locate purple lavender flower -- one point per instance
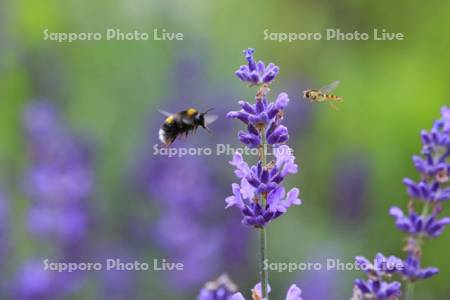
(430, 191)
(262, 116)
(256, 72)
(381, 266)
(260, 196)
(412, 271)
(263, 119)
(419, 225)
(293, 293)
(376, 287)
(258, 181)
(433, 164)
(427, 191)
(221, 289)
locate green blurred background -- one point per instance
(110, 90)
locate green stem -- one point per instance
(409, 294)
(264, 146)
(264, 274)
(425, 209)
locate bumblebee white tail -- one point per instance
(162, 136)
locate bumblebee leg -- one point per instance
(168, 143)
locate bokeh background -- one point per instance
(78, 122)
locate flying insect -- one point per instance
(324, 94)
(183, 123)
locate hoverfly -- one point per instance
(323, 94)
(183, 122)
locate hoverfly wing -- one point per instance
(210, 119)
(329, 88)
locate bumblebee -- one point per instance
(183, 122)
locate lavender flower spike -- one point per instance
(294, 293)
(256, 72)
(221, 289)
(260, 195)
(432, 189)
(258, 181)
(433, 164)
(376, 287)
(429, 193)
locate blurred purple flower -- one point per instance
(192, 243)
(324, 283)
(4, 228)
(181, 188)
(117, 284)
(350, 189)
(60, 179)
(164, 174)
(256, 72)
(412, 271)
(59, 183)
(221, 289)
(5, 242)
(294, 293)
(33, 282)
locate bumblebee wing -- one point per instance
(210, 119)
(165, 113)
(331, 87)
(187, 120)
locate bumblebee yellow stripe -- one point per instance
(169, 120)
(191, 111)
